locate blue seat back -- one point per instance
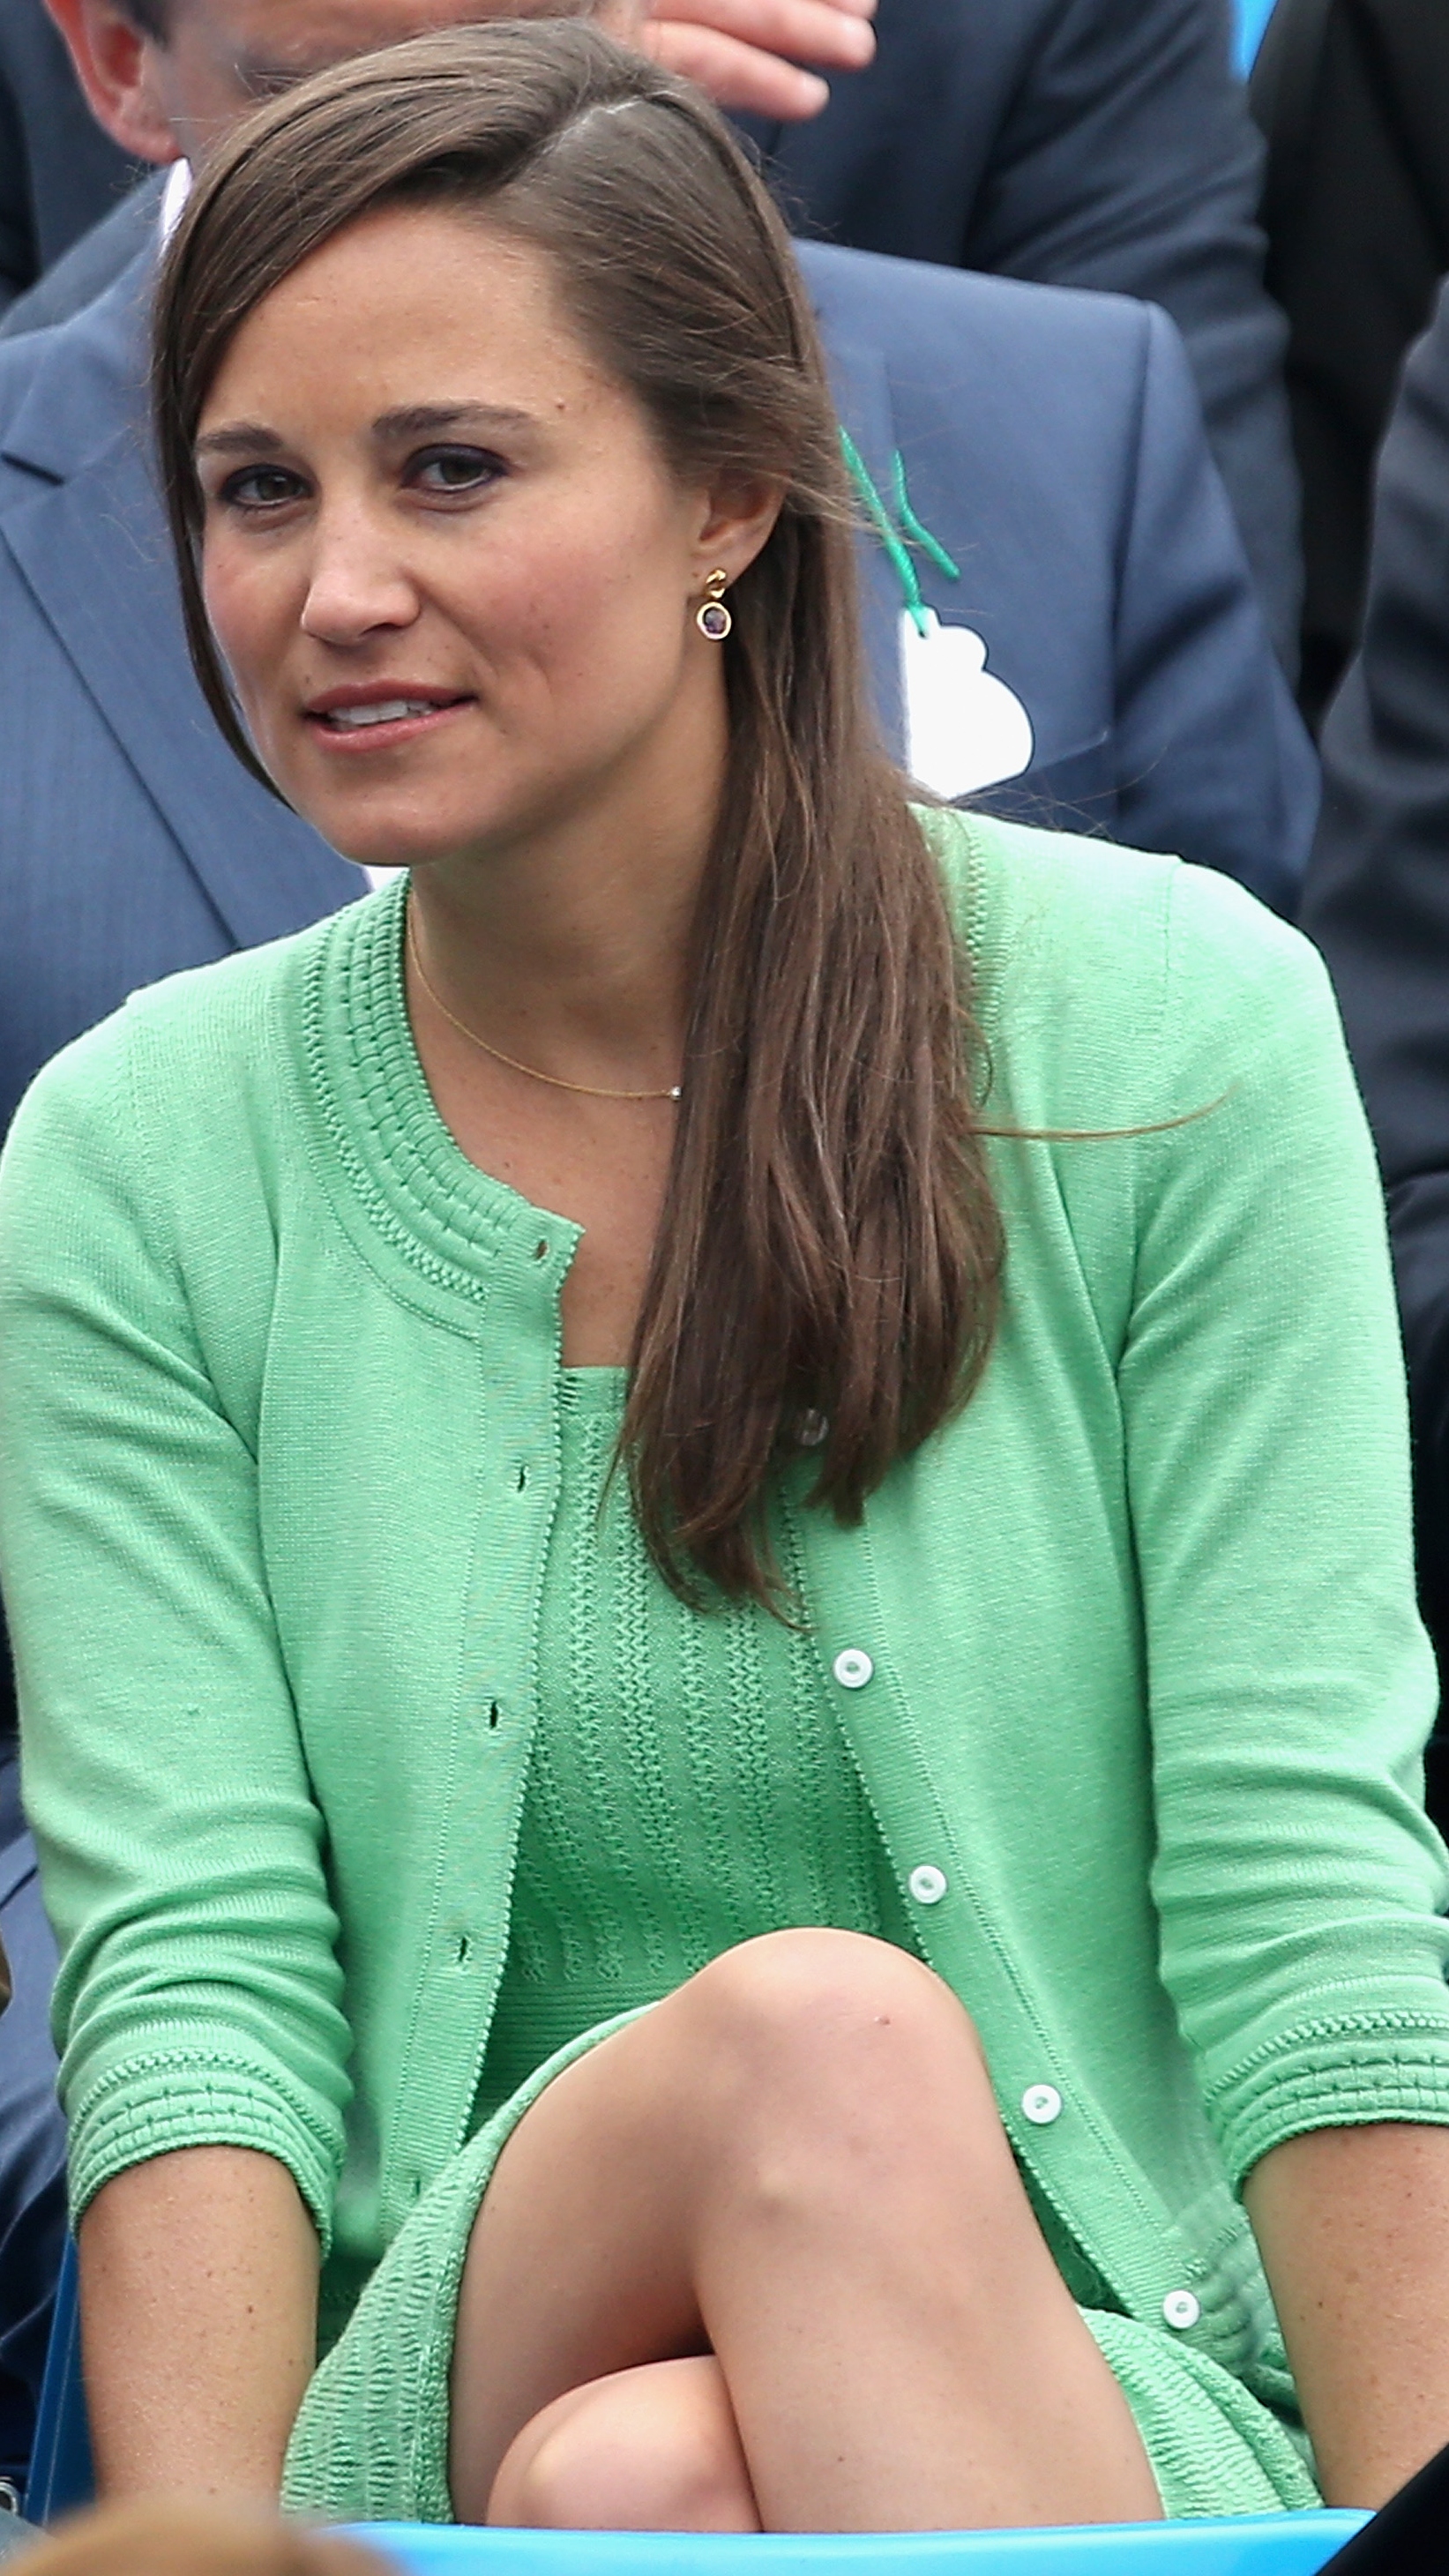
(61, 2474)
(1250, 17)
(1276, 2544)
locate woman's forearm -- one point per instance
(1354, 2230)
(199, 2308)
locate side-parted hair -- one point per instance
(827, 1263)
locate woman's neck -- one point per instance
(568, 948)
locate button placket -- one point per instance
(927, 1883)
(1041, 2104)
(1181, 2310)
(853, 1668)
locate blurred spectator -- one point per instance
(1100, 143)
(196, 2540)
(1353, 97)
(1378, 904)
(1095, 143)
(136, 58)
(59, 173)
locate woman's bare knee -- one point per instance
(814, 2099)
(835, 2043)
(652, 2449)
(787, 2000)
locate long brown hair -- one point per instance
(829, 1252)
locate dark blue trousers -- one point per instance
(32, 2134)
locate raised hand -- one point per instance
(750, 53)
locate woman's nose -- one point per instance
(356, 581)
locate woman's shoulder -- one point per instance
(189, 1051)
(1074, 900)
(169, 1130)
(1124, 972)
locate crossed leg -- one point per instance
(764, 2259)
(653, 2449)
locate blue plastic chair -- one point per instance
(1277, 2544)
(61, 2475)
(1250, 17)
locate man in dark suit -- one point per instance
(1100, 143)
(1377, 902)
(59, 172)
(1084, 619)
(1353, 98)
(144, 61)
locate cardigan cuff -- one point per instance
(150, 2105)
(1334, 2074)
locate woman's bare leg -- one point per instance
(654, 2449)
(796, 2162)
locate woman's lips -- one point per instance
(378, 724)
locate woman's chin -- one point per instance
(377, 841)
(380, 823)
(397, 852)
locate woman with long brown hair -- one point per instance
(706, 1513)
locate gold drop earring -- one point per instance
(712, 617)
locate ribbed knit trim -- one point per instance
(1214, 2447)
(367, 1090)
(370, 2442)
(1333, 2072)
(166, 2099)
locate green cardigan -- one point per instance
(1127, 1657)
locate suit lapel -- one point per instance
(93, 551)
(863, 400)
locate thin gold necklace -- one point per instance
(555, 1081)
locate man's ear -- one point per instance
(115, 63)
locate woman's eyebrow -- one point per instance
(239, 438)
(434, 420)
(411, 420)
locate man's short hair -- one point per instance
(151, 17)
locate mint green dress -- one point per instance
(688, 1789)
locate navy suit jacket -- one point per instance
(1377, 902)
(1101, 143)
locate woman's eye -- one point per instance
(260, 487)
(455, 469)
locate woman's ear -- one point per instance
(115, 63)
(738, 513)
